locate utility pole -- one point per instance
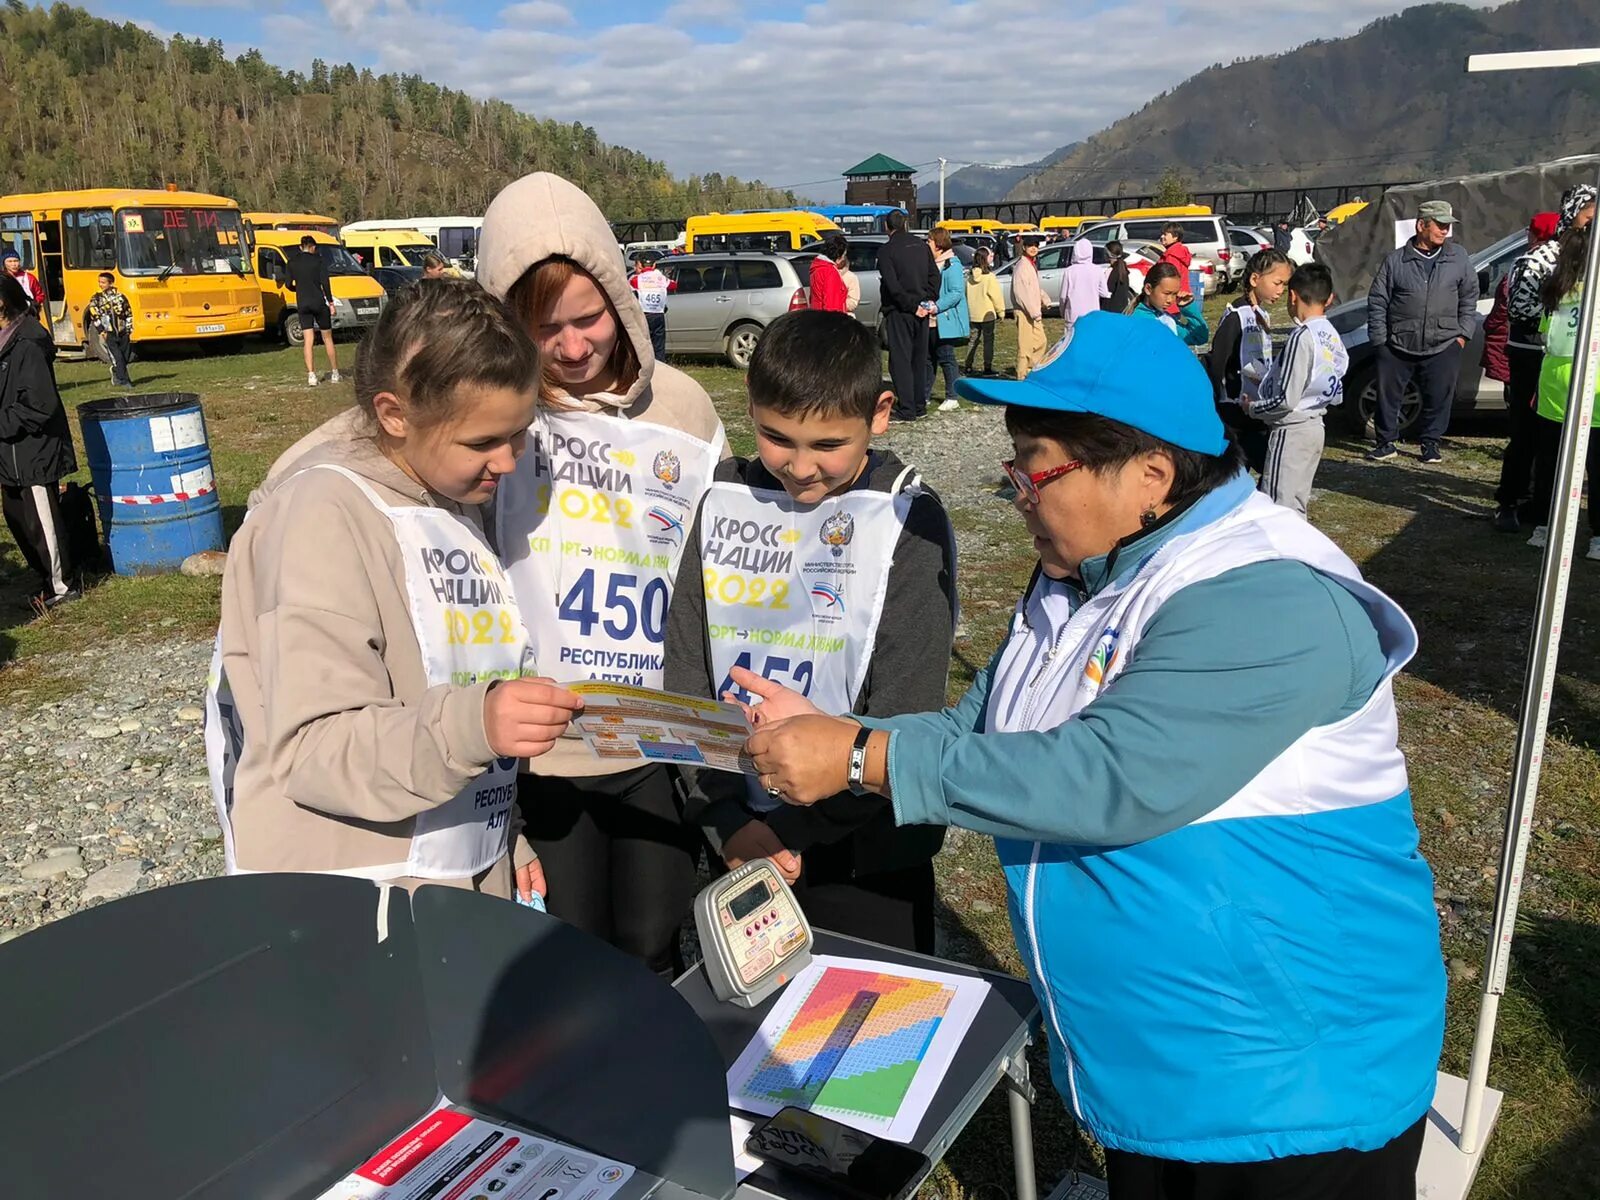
(941, 191)
(1546, 640)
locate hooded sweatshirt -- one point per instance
(345, 741)
(1083, 285)
(35, 442)
(542, 216)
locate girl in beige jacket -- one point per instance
(591, 527)
(368, 705)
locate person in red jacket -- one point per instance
(828, 291)
(31, 287)
(1175, 252)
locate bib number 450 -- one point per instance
(628, 607)
(796, 676)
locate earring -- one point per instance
(1148, 518)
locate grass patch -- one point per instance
(1421, 534)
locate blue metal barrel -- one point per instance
(151, 466)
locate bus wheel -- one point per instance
(292, 332)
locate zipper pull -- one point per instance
(1044, 665)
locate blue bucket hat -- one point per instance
(1127, 369)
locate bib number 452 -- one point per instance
(627, 607)
(796, 676)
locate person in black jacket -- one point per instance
(908, 282)
(313, 298)
(35, 445)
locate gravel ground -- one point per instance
(106, 794)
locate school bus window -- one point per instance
(181, 241)
(16, 237)
(91, 245)
(270, 264)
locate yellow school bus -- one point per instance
(1172, 210)
(358, 298)
(1017, 226)
(179, 258)
(307, 222)
(1067, 225)
(768, 231)
(974, 225)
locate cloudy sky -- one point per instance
(792, 93)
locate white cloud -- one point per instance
(722, 13)
(542, 13)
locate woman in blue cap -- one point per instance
(1186, 751)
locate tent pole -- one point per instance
(1539, 682)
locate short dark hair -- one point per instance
(1312, 282)
(1104, 445)
(835, 246)
(894, 220)
(308, 242)
(13, 300)
(106, 275)
(815, 363)
(437, 336)
(1174, 229)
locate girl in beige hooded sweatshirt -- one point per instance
(367, 706)
(591, 526)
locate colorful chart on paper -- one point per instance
(871, 1076)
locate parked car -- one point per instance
(1141, 257)
(1206, 237)
(1303, 244)
(394, 278)
(1244, 242)
(1476, 393)
(863, 261)
(724, 302)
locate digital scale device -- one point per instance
(752, 934)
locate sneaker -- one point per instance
(950, 405)
(311, 379)
(1594, 549)
(69, 595)
(1505, 520)
(1380, 454)
(1430, 456)
(334, 377)
(1541, 535)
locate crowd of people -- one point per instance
(517, 427)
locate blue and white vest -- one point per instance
(1265, 981)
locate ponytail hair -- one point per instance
(1568, 272)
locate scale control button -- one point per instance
(749, 930)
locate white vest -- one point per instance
(652, 288)
(794, 592)
(591, 526)
(1052, 667)
(465, 617)
(1255, 352)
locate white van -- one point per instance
(455, 237)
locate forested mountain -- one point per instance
(1391, 102)
(86, 102)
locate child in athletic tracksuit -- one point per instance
(1241, 351)
(1301, 385)
(826, 566)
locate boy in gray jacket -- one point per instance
(1303, 383)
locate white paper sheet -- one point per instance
(450, 1155)
(744, 1163)
(919, 1017)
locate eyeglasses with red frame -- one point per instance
(1028, 485)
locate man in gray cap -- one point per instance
(1421, 312)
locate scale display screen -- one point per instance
(749, 900)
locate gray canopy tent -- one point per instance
(1487, 206)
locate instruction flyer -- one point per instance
(622, 723)
(451, 1155)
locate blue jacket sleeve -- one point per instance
(1205, 703)
(965, 716)
(1192, 325)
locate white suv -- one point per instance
(1206, 237)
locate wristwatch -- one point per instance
(858, 763)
